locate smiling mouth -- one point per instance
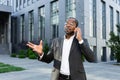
(67, 29)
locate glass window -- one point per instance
(20, 1)
(117, 17)
(16, 3)
(31, 25)
(22, 26)
(55, 19)
(111, 19)
(24, 1)
(95, 51)
(103, 54)
(92, 10)
(103, 20)
(41, 15)
(119, 2)
(70, 8)
(28, 2)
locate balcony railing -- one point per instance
(6, 2)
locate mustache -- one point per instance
(66, 29)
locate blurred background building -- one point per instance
(33, 20)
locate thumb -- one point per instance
(41, 43)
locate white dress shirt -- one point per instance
(65, 56)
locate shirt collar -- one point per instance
(70, 37)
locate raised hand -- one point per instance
(78, 33)
(36, 48)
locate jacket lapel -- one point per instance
(73, 45)
(61, 47)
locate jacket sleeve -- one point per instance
(87, 52)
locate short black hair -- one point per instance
(76, 21)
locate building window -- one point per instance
(41, 15)
(116, 1)
(31, 25)
(119, 2)
(28, 2)
(117, 17)
(103, 20)
(33, 1)
(95, 51)
(103, 54)
(111, 19)
(92, 8)
(16, 3)
(24, 1)
(70, 8)
(55, 19)
(14, 30)
(22, 26)
(5, 2)
(20, 2)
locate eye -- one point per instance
(71, 24)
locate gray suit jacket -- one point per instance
(75, 61)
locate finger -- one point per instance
(41, 43)
(75, 30)
(80, 31)
(31, 44)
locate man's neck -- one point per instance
(68, 36)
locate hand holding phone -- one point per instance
(78, 33)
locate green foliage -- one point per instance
(25, 53)
(29, 51)
(21, 54)
(13, 55)
(31, 54)
(45, 47)
(8, 68)
(82, 57)
(114, 43)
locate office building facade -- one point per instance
(34, 20)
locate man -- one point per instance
(66, 53)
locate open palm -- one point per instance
(36, 48)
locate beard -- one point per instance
(69, 31)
